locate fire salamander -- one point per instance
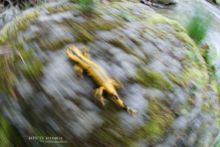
(99, 75)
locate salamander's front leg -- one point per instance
(78, 70)
(99, 95)
(85, 51)
(117, 84)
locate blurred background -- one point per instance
(164, 53)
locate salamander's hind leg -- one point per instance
(99, 95)
(78, 70)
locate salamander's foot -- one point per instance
(85, 51)
(132, 111)
(79, 70)
(98, 95)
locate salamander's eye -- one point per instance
(73, 52)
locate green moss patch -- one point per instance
(31, 66)
(4, 132)
(7, 77)
(84, 36)
(199, 77)
(101, 24)
(160, 119)
(120, 44)
(150, 78)
(54, 44)
(85, 32)
(86, 6)
(33, 69)
(177, 79)
(198, 26)
(9, 135)
(159, 19)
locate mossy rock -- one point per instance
(159, 88)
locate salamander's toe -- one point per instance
(102, 101)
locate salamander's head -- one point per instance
(73, 52)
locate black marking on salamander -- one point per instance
(78, 56)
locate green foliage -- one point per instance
(87, 6)
(197, 28)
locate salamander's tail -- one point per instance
(121, 104)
